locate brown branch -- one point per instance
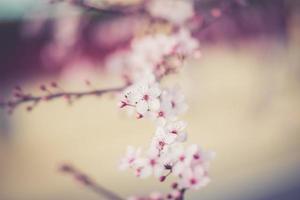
(182, 192)
(89, 183)
(22, 98)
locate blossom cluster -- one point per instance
(153, 55)
(166, 154)
(147, 61)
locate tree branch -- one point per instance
(88, 182)
(22, 98)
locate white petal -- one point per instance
(192, 149)
(142, 107)
(154, 104)
(199, 172)
(181, 125)
(161, 121)
(182, 137)
(178, 168)
(170, 138)
(158, 170)
(154, 91)
(160, 132)
(146, 172)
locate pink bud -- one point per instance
(169, 196)
(54, 85)
(139, 116)
(175, 185)
(162, 178)
(43, 88)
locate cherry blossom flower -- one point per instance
(191, 157)
(194, 178)
(168, 134)
(178, 159)
(146, 98)
(176, 101)
(141, 168)
(172, 104)
(130, 158)
(161, 139)
(149, 165)
(175, 129)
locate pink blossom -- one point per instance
(130, 158)
(194, 178)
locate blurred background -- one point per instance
(244, 98)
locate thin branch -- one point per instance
(22, 98)
(182, 192)
(89, 183)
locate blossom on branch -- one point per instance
(148, 59)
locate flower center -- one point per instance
(161, 144)
(181, 158)
(146, 97)
(196, 156)
(193, 181)
(173, 104)
(152, 162)
(161, 114)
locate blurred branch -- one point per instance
(108, 9)
(21, 98)
(88, 182)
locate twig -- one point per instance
(88, 182)
(182, 192)
(51, 96)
